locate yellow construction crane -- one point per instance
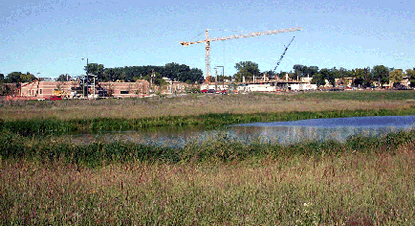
(252, 34)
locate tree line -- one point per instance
(173, 71)
(363, 77)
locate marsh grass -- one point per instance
(49, 179)
(53, 126)
(333, 185)
(196, 105)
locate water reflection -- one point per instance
(291, 132)
(295, 134)
(337, 129)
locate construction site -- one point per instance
(89, 87)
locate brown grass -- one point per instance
(352, 189)
(184, 106)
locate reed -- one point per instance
(50, 179)
(219, 147)
(194, 105)
(307, 184)
(208, 121)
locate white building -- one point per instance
(256, 88)
(303, 87)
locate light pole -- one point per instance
(83, 58)
(223, 76)
(83, 80)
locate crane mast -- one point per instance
(208, 40)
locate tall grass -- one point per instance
(218, 147)
(208, 121)
(387, 95)
(320, 184)
(194, 105)
(49, 179)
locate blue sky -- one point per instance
(51, 37)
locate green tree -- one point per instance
(173, 71)
(157, 79)
(396, 76)
(343, 73)
(14, 77)
(411, 76)
(1, 78)
(329, 75)
(17, 77)
(28, 77)
(111, 74)
(362, 77)
(247, 69)
(95, 69)
(63, 78)
(300, 71)
(270, 74)
(182, 72)
(196, 75)
(380, 74)
(319, 80)
(312, 70)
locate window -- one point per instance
(124, 92)
(40, 91)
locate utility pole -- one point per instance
(153, 75)
(223, 76)
(216, 79)
(83, 80)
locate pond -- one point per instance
(286, 133)
(337, 129)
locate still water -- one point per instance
(337, 129)
(290, 132)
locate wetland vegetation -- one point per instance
(49, 179)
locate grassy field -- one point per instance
(194, 105)
(48, 179)
(361, 182)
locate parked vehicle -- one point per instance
(55, 98)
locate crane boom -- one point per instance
(283, 54)
(252, 34)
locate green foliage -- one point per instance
(322, 76)
(396, 76)
(207, 121)
(16, 77)
(319, 80)
(304, 71)
(63, 78)
(4, 89)
(363, 77)
(173, 71)
(219, 147)
(411, 74)
(361, 95)
(246, 69)
(95, 69)
(381, 74)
